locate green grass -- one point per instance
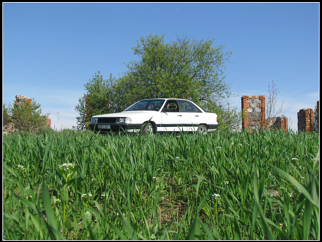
(164, 187)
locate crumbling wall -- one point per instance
(305, 120)
(255, 118)
(21, 99)
(317, 110)
(276, 123)
(255, 108)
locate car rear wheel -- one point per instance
(147, 128)
(202, 129)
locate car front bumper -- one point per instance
(108, 127)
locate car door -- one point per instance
(191, 115)
(171, 117)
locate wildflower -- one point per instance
(295, 159)
(66, 166)
(56, 200)
(216, 196)
(20, 167)
(154, 178)
(226, 182)
(153, 236)
(104, 195)
(90, 195)
(218, 147)
(240, 144)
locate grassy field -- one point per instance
(223, 185)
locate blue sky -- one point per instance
(50, 50)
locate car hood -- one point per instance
(126, 114)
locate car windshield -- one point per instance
(146, 105)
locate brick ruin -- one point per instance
(255, 108)
(255, 118)
(276, 123)
(10, 128)
(317, 110)
(305, 119)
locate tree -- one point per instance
(228, 118)
(25, 116)
(94, 101)
(81, 108)
(6, 117)
(181, 68)
(272, 109)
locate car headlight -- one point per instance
(124, 120)
(94, 120)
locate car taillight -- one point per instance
(217, 119)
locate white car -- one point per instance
(157, 115)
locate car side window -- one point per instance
(171, 106)
(188, 107)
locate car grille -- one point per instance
(106, 120)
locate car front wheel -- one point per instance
(147, 128)
(202, 129)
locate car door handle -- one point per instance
(196, 115)
(179, 115)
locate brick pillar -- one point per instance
(48, 122)
(255, 108)
(317, 110)
(262, 114)
(245, 106)
(284, 124)
(305, 120)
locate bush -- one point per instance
(26, 117)
(5, 114)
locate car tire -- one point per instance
(147, 128)
(202, 129)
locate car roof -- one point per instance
(166, 98)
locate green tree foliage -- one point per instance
(94, 101)
(6, 117)
(25, 116)
(182, 69)
(81, 109)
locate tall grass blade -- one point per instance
(307, 219)
(51, 221)
(127, 226)
(37, 226)
(295, 183)
(267, 232)
(210, 235)
(194, 230)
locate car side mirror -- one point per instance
(164, 110)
